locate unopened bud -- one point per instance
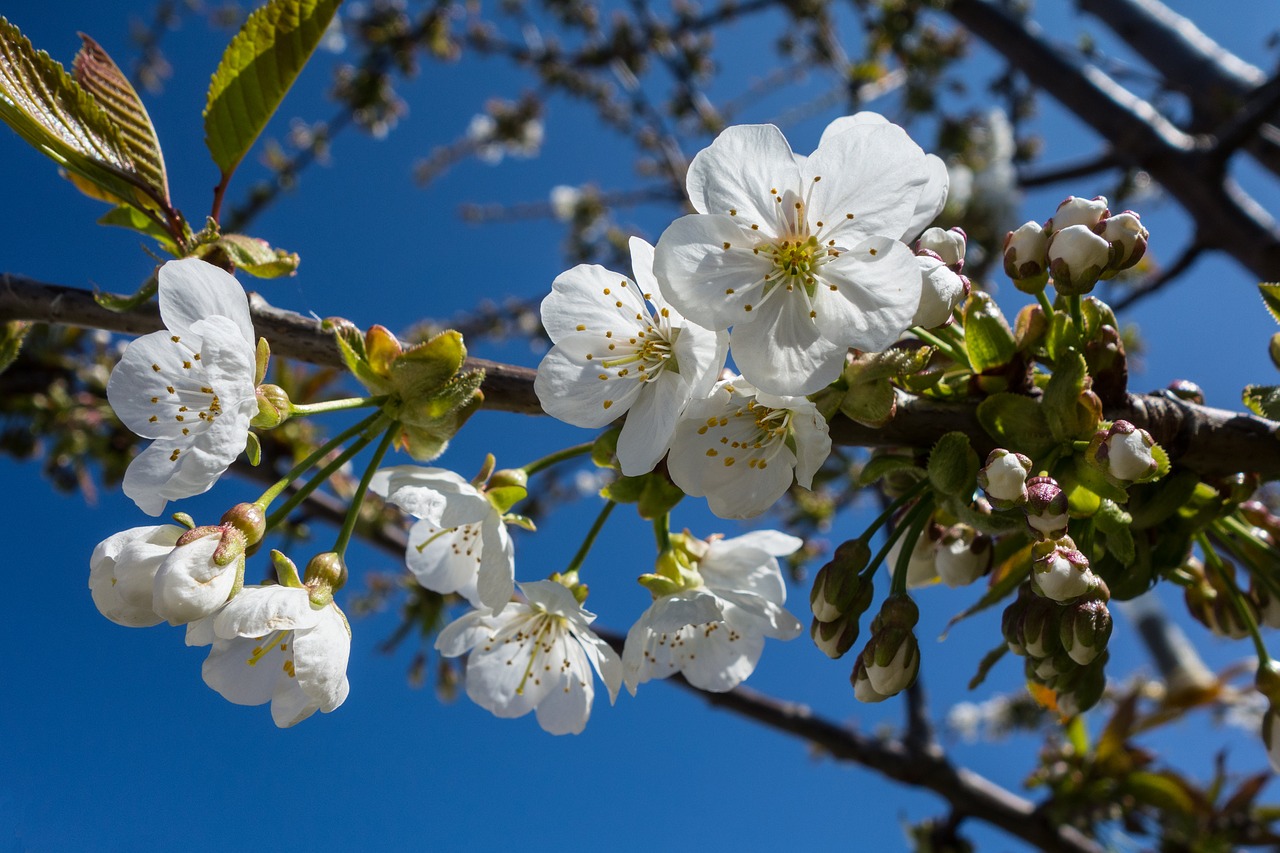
(249, 519)
(1185, 389)
(1086, 628)
(1078, 211)
(1059, 571)
(1128, 239)
(891, 657)
(963, 555)
(1004, 478)
(1046, 507)
(1267, 681)
(325, 574)
(837, 588)
(1040, 628)
(922, 565)
(274, 407)
(381, 348)
(1271, 736)
(1026, 259)
(948, 245)
(837, 637)
(507, 487)
(1077, 259)
(1011, 620)
(863, 690)
(941, 290)
(1124, 452)
(1085, 690)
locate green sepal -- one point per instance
(1017, 423)
(286, 570)
(257, 257)
(128, 216)
(185, 520)
(1263, 400)
(624, 490)
(953, 466)
(12, 334)
(504, 498)
(1115, 523)
(988, 338)
(352, 350)
(253, 449)
(1270, 292)
(423, 369)
(262, 360)
(880, 466)
(257, 69)
(658, 497)
(522, 521)
(604, 450)
(120, 304)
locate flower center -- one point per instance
(754, 433)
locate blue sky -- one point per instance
(110, 740)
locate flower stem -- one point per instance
(1077, 316)
(323, 475)
(898, 502)
(938, 343)
(917, 518)
(335, 405)
(894, 535)
(1212, 559)
(559, 456)
(1043, 297)
(353, 512)
(662, 532)
(319, 453)
(580, 557)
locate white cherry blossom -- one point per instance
(189, 387)
(537, 654)
(742, 448)
(122, 573)
(461, 543)
(272, 644)
(199, 574)
(801, 256)
(713, 628)
(614, 355)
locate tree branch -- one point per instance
(1209, 441)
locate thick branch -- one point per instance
(1205, 440)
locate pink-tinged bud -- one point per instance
(1124, 452)
(249, 519)
(1046, 507)
(1086, 628)
(1078, 211)
(1128, 239)
(1026, 259)
(1004, 478)
(862, 689)
(1059, 571)
(963, 555)
(326, 573)
(948, 245)
(941, 290)
(1077, 259)
(1185, 389)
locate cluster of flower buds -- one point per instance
(1209, 601)
(1082, 243)
(839, 597)
(940, 256)
(1065, 645)
(890, 661)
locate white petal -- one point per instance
(691, 607)
(738, 170)
(188, 585)
(505, 677)
(228, 670)
(754, 614)
(290, 705)
(701, 354)
(191, 290)
(873, 171)
(812, 439)
(554, 598)
(434, 494)
(648, 429)
(933, 198)
(717, 657)
(605, 660)
(257, 611)
(704, 281)
(587, 296)
(446, 561)
(122, 573)
(879, 290)
(570, 387)
(783, 352)
(320, 658)
(135, 382)
(495, 580)
(464, 633)
(566, 706)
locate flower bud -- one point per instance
(1267, 680)
(1046, 507)
(836, 637)
(1004, 478)
(837, 588)
(1270, 736)
(963, 555)
(249, 519)
(1085, 629)
(325, 574)
(274, 407)
(1026, 257)
(1124, 452)
(1085, 690)
(1077, 259)
(1078, 211)
(922, 565)
(948, 245)
(891, 657)
(1051, 668)
(1128, 239)
(1040, 628)
(1011, 619)
(941, 290)
(862, 689)
(1060, 572)
(122, 573)
(1185, 389)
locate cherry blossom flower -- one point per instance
(612, 355)
(189, 387)
(199, 573)
(272, 644)
(742, 448)
(537, 654)
(122, 573)
(461, 543)
(801, 256)
(711, 624)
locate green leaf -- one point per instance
(987, 335)
(128, 216)
(1016, 423)
(1162, 789)
(1270, 292)
(54, 114)
(256, 71)
(101, 77)
(1062, 399)
(953, 466)
(989, 660)
(879, 467)
(1263, 400)
(257, 257)
(114, 302)
(12, 334)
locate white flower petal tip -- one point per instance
(190, 387)
(537, 655)
(122, 573)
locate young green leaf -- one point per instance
(102, 78)
(1270, 292)
(256, 71)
